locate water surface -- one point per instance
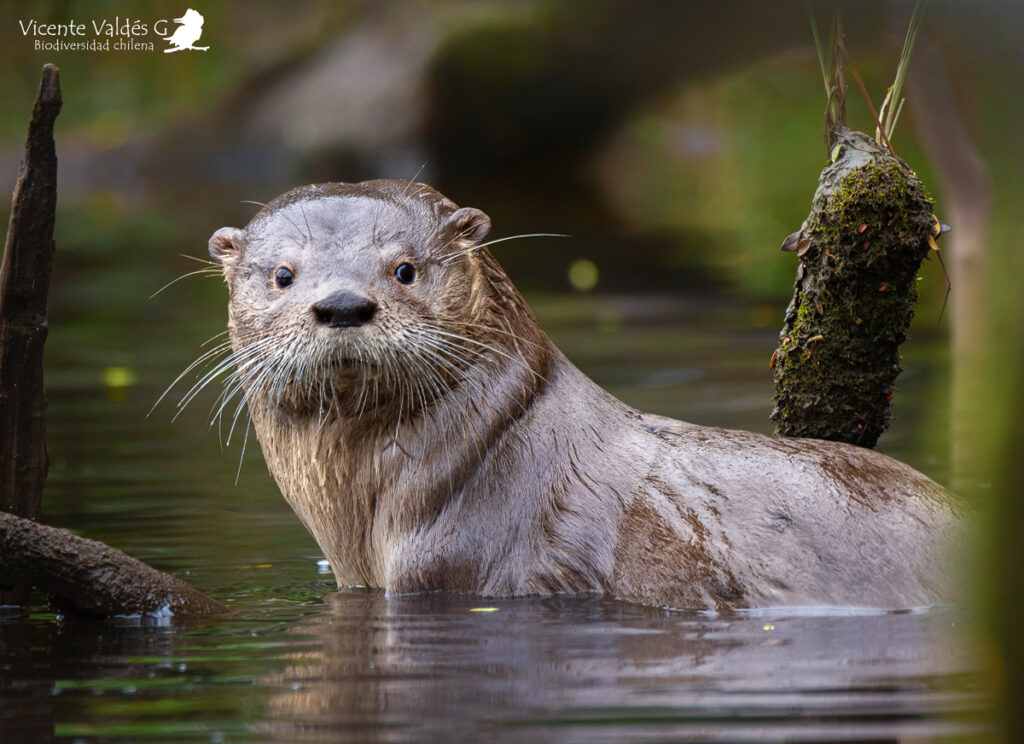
(302, 662)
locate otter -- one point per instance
(430, 436)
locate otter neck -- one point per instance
(360, 484)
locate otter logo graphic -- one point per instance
(187, 34)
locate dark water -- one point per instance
(301, 662)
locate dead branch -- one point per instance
(89, 577)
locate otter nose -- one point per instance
(344, 310)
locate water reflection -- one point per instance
(44, 657)
(430, 668)
(299, 663)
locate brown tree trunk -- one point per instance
(24, 285)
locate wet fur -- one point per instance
(483, 461)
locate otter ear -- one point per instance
(471, 224)
(224, 245)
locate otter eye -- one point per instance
(283, 277)
(405, 273)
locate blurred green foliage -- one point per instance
(679, 142)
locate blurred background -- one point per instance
(678, 143)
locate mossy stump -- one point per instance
(860, 249)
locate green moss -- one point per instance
(838, 356)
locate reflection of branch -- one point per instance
(92, 577)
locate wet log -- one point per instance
(90, 578)
(870, 226)
(24, 286)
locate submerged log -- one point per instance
(871, 224)
(91, 578)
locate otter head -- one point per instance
(354, 296)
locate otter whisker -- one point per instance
(523, 235)
(305, 219)
(282, 214)
(242, 401)
(438, 385)
(209, 271)
(415, 392)
(237, 359)
(452, 256)
(402, 376)
(220, 405)
(466, 357)
(320, 364)
(401, 405)
(460, 352)
(214, 336)
(265, 368)
(422, 373)
(423, 422)
(490, 348)
(246, 361)
(413, 179)
(234, 421)
(480, 445)
(242, 404)
(227, 394)
(394, 437)
(201, 260)
(421, 190)
(280, 370)
(458, 236)
(321, 369)
(493, 329)
(325, 390)
(274, 371)
(306, 239)
(360, 400)
(219, 349)
(241, 457)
